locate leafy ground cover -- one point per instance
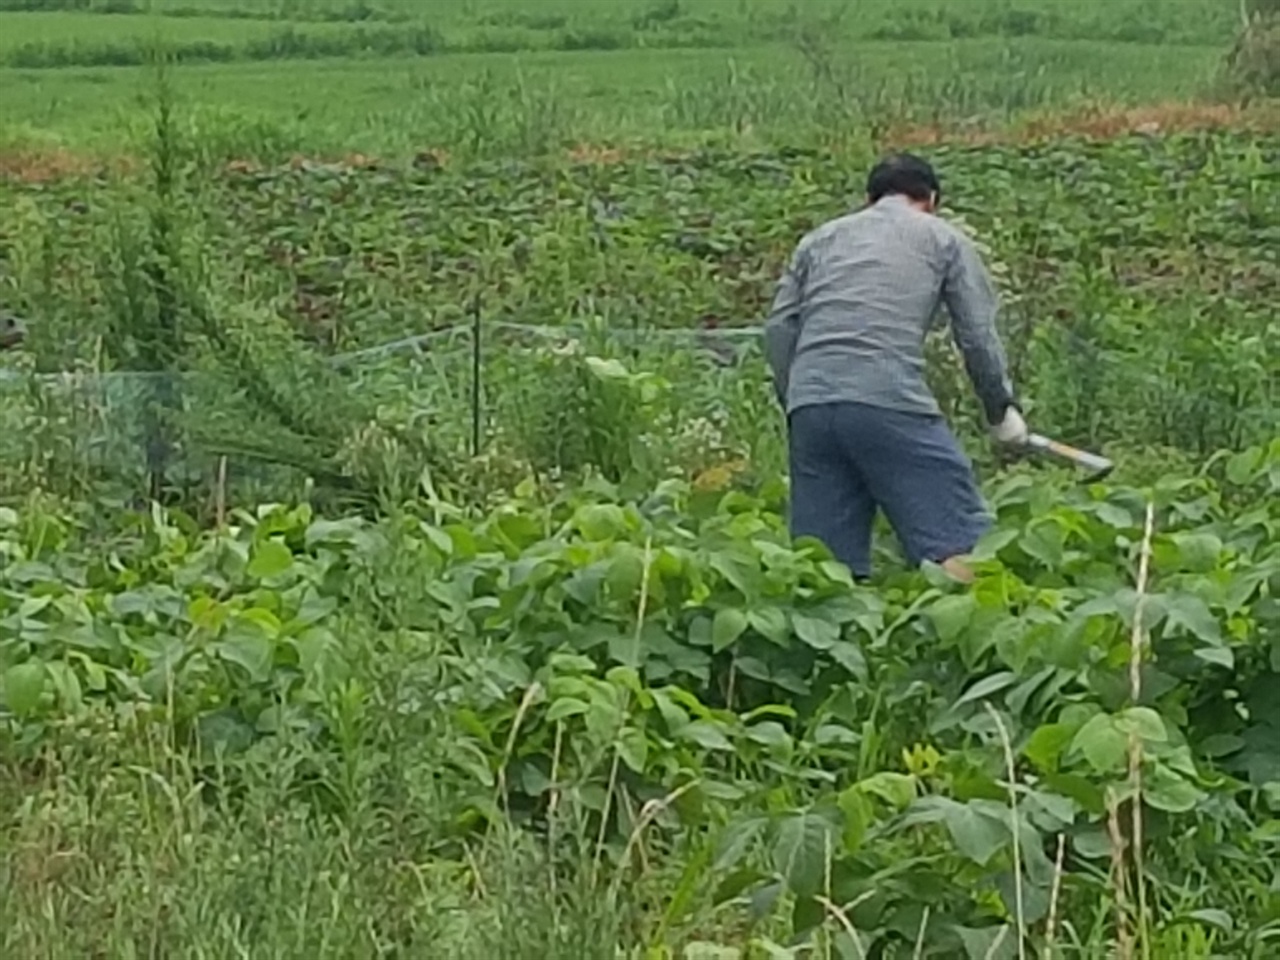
(604, 725)
(587, 698)
(392, 555)
(1138, 298)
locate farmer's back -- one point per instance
(872, 282)
(845, 344)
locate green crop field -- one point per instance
(489, 103)
(393, 544)
(390, 76)
(85, 30)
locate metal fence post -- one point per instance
(475, 376)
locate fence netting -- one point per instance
(552, 397)
(525, 397)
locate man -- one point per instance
(845, 341)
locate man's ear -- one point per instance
(933, 201)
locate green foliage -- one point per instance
(1126, 331)
(607, 672)
(579, 695)
(751, 96)
(287, 44)
(1253, 65)
(650, 23)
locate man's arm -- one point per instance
(782, 329)
(972, 301)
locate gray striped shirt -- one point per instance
(854, 305)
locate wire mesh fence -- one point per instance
(547, 398)
(526, 397)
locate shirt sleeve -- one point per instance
(972, 301)
(782, 329)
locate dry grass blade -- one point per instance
(996, 943)
(220, 494)
(648, 813)
(1010, 769)
(841, 916)
(1137, 638)
(642, 608)
(918, 953)
(531, 693)
(1137, 645)
(1124, 940)
(1051, 928)
(553, 801)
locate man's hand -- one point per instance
(1012, 430)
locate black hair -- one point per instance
(903, 173)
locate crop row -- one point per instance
(1137, 279)
(615, 25)
(605, 667)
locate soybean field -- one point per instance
(393, 546)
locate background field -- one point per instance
(1150, 21)
(80, 31)
(393, 556)
(602, 72)
(487, 101)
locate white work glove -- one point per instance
(1012, 430)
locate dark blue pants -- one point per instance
(848, 459)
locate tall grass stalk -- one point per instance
(1051, 925)
(1137, 645)
(642, 609)
(1132, 919)
(1119, 878)
(1014, 829)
